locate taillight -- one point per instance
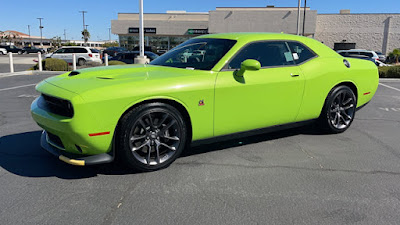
(90, 55)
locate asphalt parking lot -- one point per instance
(296, 176)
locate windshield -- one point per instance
(200, 54)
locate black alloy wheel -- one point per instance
(339, 110)
(151, 136)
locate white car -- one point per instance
(362, 52)
(83, 54)
(3, 51)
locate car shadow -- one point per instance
(22, 155)
(216, 145)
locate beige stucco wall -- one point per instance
(378, 32)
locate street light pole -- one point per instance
(109, 34)
(84, 33)
(29, 33)
(40, 27)
(141, 29)
(298, 18)
(304, 17)
(65, 35)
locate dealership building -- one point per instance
(344, 30)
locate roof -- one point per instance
(17, 34)
(244, 38)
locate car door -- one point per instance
(262, 98)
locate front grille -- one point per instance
(54, 140)
(56, 105)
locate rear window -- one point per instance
(94, 50)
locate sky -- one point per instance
(60, 15)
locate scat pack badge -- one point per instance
(201, 102)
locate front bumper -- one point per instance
(73, 159)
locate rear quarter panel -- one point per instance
(322, 74)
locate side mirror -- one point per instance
(248, 64)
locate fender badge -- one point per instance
(201, 102)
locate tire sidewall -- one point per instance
(332, 95)
(123, 150)
(81, 62)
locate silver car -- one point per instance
(83, 54)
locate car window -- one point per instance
(274, 53)
(61, 50)
(94, 50)
(79, 50)
(197, 53)
(369, 54)
(302, 51)
(69, 50)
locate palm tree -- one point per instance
(86, 35)
(395, 54)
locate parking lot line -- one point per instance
(389, 87)
(16, 87)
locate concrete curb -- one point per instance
(390, 79)
(32, 72)
(36, 72)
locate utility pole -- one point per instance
(84, 33)
(109, 34)
(304, 17)
(40, 27)
(65, 35)
(29, 33)
(298, 18)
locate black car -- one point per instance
(128, 57)
(32, 49)
(113, 51)
(12, 48)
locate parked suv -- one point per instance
(362, 52)
(32, 49)
(83, 55)
(12, 48)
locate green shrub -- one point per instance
(53, 65)
(389, 72)
(114, 62)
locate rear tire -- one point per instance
(339, 110)
(151, 136)
(81, 62)
(20, 52)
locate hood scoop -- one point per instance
(73, 73)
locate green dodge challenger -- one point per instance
(206, 88)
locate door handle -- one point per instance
(294, 75)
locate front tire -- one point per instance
(20, 52)
(151, 136)
(339, 110)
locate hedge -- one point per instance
(389, 71)
(114, 62)
(53, 65)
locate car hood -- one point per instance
(83, 80)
